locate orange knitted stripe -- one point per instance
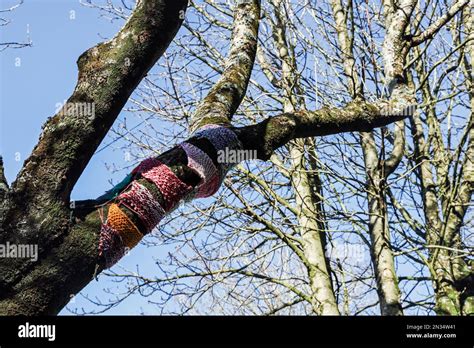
(119, 221)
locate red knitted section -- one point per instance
(210, 188)
(111, 246)
(141, 202)
(146, 165)
(170, 186)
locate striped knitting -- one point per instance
(121, 223)
(119, 232)
(146, 165)
(199, 161)
(171, 187)
(111, 247)
(220, 138)
(139, 200)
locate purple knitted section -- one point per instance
(111, 246)
(221, 138)
(199, 161)
(171, 187)
(141, 202)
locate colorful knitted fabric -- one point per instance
(220, 138)
(115, 191)
(121, 223)
(119, 232)
(146, 165)
(141, 202)
(171, 187)
(200, 162)
(111, 246)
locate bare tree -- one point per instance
(267, 244)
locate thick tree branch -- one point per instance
(219, 106)
(394, 48)
(398, 149)
(108, 74)
(274, 132)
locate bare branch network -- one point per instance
(353, 194)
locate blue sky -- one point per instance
(35, 79)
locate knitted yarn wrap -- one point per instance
(121, 223)
(171, 187)
(139, 200)
(146, 165)
(221, 138)
(200, 162)
(118, 232)
(111, 247)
